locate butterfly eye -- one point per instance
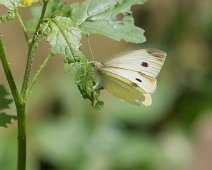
(144, 64)
(138, 79)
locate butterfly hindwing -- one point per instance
(137, 80)
(145, 61)
(123, 88)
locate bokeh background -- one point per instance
(175, 133)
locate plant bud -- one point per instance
(26, 3)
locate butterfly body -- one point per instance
(130, 76)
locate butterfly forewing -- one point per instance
(144, 61)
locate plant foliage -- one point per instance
(4, 104)
(64, 25)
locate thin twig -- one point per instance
(38, 73)
(23, 27)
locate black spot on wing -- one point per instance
(144, 64)
(139, 80)
(135, 84)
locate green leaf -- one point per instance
(11, 14)
(63, 36)
(54, 8)
(83, 73)
(102, 17)
(11, 5)
(4, 102)
(86, 9)
(6, 119)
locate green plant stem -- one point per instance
(30, 54)
(8, 73)
(38, 73)
(21, 112)
(20, 107)
(23, 27)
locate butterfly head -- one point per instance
(96, 65)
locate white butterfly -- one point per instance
(130, 76)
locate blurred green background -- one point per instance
(175, 133)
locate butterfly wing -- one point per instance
(145, 61)
(127, 85)
(131, 76)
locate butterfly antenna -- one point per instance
(89, 44)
